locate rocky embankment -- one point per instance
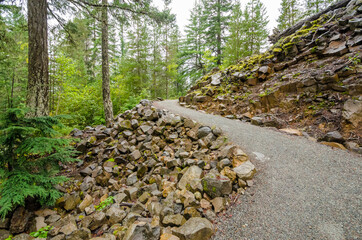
(308, 82)
(152, 175)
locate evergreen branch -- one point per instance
(61, 24)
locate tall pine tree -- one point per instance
(191, 64)
(255, 23)
(315, 6)
(215, 18)
(289, 14)
(235, 43)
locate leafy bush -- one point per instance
(29, 159)
(42, 232)
(104, 204)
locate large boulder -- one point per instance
(19, 221)
(115, 215)
(336, 48)
(195, 228)
(71, 201)
(352, 111)
(23, 236)
(216, 186)
(203, 132)
(216, 79)
(192, 175)
(334, 136)
(245, 171)
(140, 231)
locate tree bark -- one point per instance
(218, 39)
(107, 102)
(38, 73)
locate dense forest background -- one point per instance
(148, 56)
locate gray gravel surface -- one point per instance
(303, 190)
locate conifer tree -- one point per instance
(289, 14)
(192, 49)
(136, 65)
(156, 61)
(255, 22)
(215, 18)
(315, 6)
(234, 45)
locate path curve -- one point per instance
(303, 190)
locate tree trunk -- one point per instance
(107, 102)
(12, 90)
(38, 79)
(218, 51)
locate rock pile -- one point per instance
(152, 175)
(310, 79)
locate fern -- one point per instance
(29, 159)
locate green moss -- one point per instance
(296, 75)
(266, 92)
(205, 186)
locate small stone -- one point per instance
(135, 155)
(334, 145)
(292, 131)
(258, 121)
(194, 173)
(106, 236)
(52, 219)
(169, 236)
(68, 228)
(131, 193)
(131, 179)
(334, 136)
(140, 231)
(227, 172)
(87, 201)
(219, 204)
(98, 219)
(144, 197)
(203, 132)
(22, 236)
(115, 215)
(120, 197)
(204, 204)
(190, 212)
(82, 233)
(223, 163)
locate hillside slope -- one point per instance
(310, 80)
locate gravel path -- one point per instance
(303, 190)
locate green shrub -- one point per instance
(104, 204)
(30, 155)
(42, 232)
